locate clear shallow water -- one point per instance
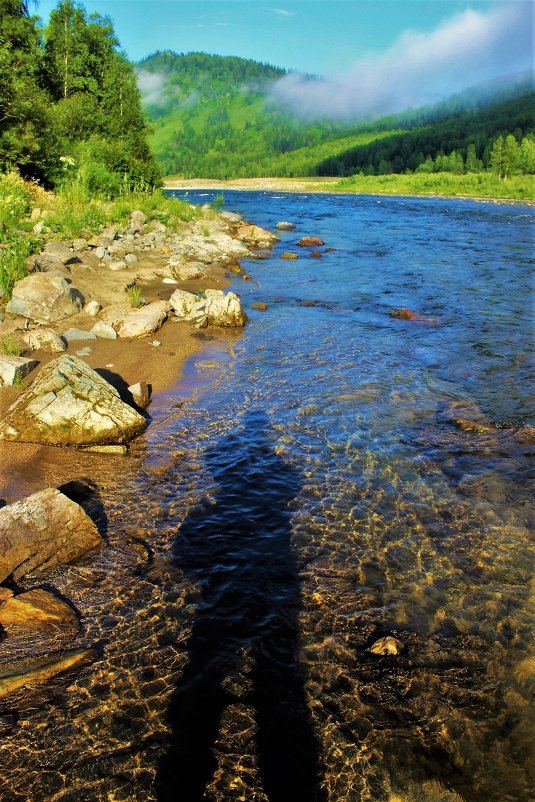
(299, 498)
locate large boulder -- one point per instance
(45, 297)
(70, 404)
(41, 531)
(144, 321)
(213, 308)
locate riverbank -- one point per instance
(519, 189)
(114, 260)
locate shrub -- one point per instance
(9, 345)
(134, 296)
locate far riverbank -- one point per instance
(519, 189)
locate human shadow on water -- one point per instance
(236, 548)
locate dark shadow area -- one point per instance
(3, 503)
(121, 386)
(236, 548)
(86, 493)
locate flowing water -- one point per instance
(301, 494)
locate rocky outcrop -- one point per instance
(185, 271)
(70, 404)
(42, 531)
(14, 368)
(213, 308)
(45, 298)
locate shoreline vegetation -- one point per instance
(485, 187)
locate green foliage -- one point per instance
(68, 94)
(16, 200)
(482, 185)
(467, 134)
(134, 296)
(219, 202)
(9, 345)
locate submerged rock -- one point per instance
(388, 645)
(289, 255)
(42, 531)
(70, 404)
(44, 297)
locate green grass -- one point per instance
(134, 296)
(9, 345)
(475, 185)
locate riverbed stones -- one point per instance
(310, 242)
(42, 531)
(70, 404)
(104, 330)
(212, 308)
(14, 368)
(92, 308)
(256, 236)
(288, 255)
(44, 339)
(61, 252)
(141, 393)
(387, 646)
(285, 226)
(142, 322)
(186, 271)
(45, 298)
(73, 335)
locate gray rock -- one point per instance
(70, 404)
(104, 330)
(42, 531)
(80, 245)
(46, 340)
(232, 217)
(141, 393)
(60, 251)
(84, 351)
(14, 368)
(92, 308)
(44, 297)
(73, 334)
(256, 236)
(130, 259)
(100, 252)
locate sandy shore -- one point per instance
(26, 468)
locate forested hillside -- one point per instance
(461, 141)
(70, 108)
(212, 117)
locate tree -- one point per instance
(497, 158)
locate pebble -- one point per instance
(156, 343)
(388, 645)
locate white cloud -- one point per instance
(151, 85)
(419, 67)
(280, 12)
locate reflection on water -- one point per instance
(254, 558)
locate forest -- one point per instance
(70, 108)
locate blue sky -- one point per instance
(315, 36)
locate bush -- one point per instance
(16, 199)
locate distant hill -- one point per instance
(212, 116)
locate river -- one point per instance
(334, 476)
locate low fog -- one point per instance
(419, 68)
